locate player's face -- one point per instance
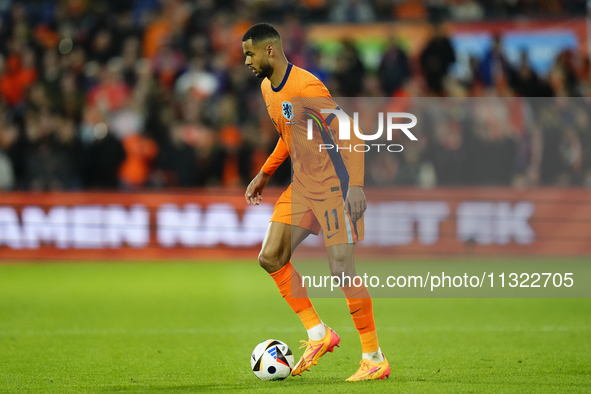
(257, 59)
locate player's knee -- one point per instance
(265, 262)
(340, 257)
(270, 262)
(342, 269)
(341, 264)
(337, 270)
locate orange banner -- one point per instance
(206, 224)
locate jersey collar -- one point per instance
(278, 88)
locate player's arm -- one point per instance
(254, 190)
(355, 199)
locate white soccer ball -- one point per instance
(271, 360)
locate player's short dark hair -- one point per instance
(260, 32)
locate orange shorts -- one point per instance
(328, 215)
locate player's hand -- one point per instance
(254, 190)
(356, 202)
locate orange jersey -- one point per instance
(317, 174)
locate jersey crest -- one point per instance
(287, 109)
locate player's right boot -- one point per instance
(315, 350)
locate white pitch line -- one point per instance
(275, 330)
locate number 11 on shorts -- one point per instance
(336, 219)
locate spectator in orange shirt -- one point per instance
(140, 152)
(19, 75)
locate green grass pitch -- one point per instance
(190, 327)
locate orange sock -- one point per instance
(288, 278)
(361, 308)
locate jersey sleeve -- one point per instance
(278, 156)
(314, 88)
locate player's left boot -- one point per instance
(315, 350)
(370, 370)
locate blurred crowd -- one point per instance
(486, 141)
(153, 93)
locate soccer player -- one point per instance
(328, 188)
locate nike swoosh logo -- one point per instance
(310, 357)
(268, 106)
(330, 236)
(371, 372)
(356, 311)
